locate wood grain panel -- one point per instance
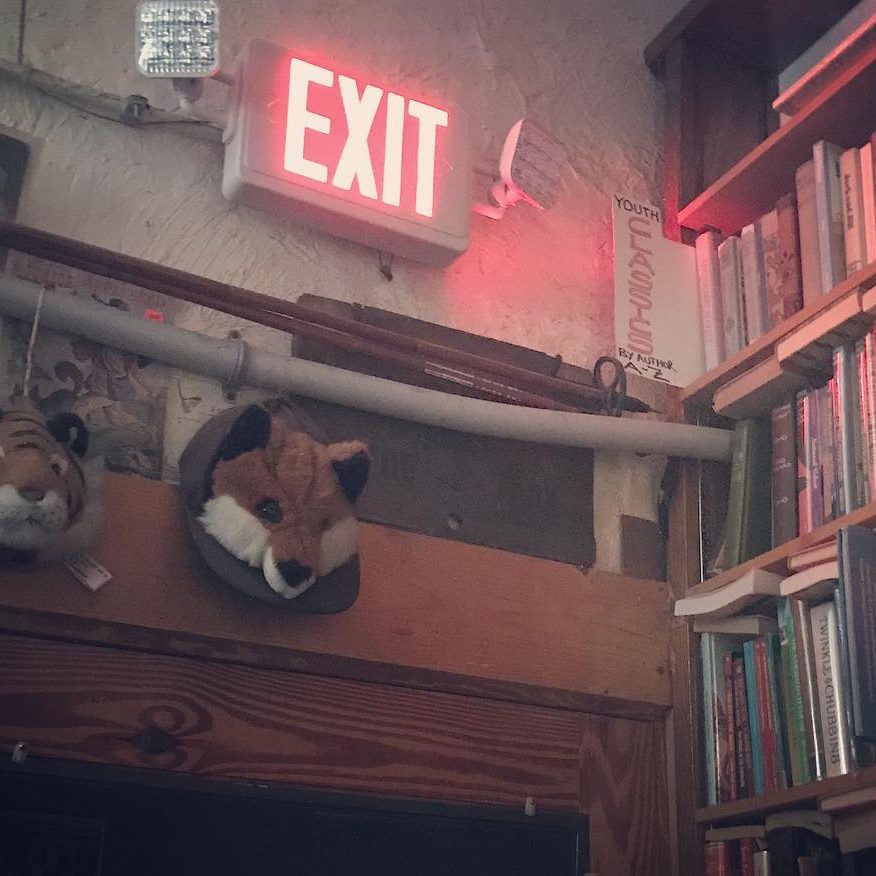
(105, 705)
(623, 789)
(431, 613)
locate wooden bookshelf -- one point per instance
(799, 797)
(775, 560)
(752, 186)
(702, 390)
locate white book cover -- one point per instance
(727, 600)
(829, 214)
(754, 282)
(868, 198)
(658, 333)
(810, 263)
(825, 644)
(810, 581)
(709, 283)
(853, 210)
(731, 295)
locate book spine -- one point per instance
(808, 687)
(765, 718)
(753, 715)
(709, 718)
(808, 224)
(839, 433)
(731, 295)
(718, 860)
(868, 193)
(727, 778)
(870, 392)
(795, 718)
(791, 279)
(744, 769)
(864, 427)
(753, 282)
(711, 312)
(825, 645)
(856, 607)
(784, 480)
(804, 516)
(844, 670)
(773, 666)
(853, 209)
(828, 451)
(850, 452)
(829, 214)
(732, 554)
(757, 503)
(768, 228)
(812, 444)
(746, 856)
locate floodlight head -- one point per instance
(530, 165)
(177, 38)
(529, 170)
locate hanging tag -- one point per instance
(87, 571)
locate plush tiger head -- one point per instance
(43, 492)
(282, 501)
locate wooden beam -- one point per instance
(101, 705)
(431, 614)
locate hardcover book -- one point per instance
(834, 731)
(784, 480)
(731, 295)
(753, 282)
(810, 265)
(857, 553)
(853, 210)
(711, 311)
(829, 214)
(790, 291)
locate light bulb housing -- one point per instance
(177, 38)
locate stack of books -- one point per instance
(792, 699)
(815, 237)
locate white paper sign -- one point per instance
(656, 302)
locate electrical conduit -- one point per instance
(233, 361)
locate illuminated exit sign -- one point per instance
(349, 155)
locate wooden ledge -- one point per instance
(431, 614)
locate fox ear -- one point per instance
(351, 463)
(250, 431)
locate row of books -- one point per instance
(793, 699)
(824, 445)
(794, 843)
(812, 462)
(814, 238)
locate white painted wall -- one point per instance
(543, 280)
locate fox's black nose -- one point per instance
(293, 572)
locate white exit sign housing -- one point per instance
(348, 155)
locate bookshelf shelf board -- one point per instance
(753, 808)
(752, 186)
(775, 560)
(702, 390)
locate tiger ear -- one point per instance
(70, 430)
(250, 431)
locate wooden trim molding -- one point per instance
(432, 614)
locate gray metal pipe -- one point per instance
(233, 361)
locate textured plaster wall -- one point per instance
(543, 280)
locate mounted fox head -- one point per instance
(281, 501)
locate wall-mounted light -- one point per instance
(529, 170)
(177, 39)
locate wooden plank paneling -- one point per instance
(431, 613)
(623, 789)
(110, 706)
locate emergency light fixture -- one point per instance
(177, 39)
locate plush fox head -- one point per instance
(280, 500)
